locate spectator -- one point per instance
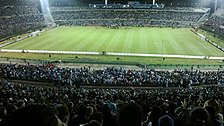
(33, 115)
(199, 117)
(165, 120)
(109, 119)
(130, 115)
(80, 117)
(62, 113)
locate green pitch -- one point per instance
(126, 40)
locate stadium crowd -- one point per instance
(124, 17)
(32, 105)
(19, 19)
(215, 23)
(25, 104)
(110, 76)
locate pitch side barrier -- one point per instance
(113, 54)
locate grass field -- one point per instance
(126, 40)
(123, 40)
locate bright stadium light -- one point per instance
(208, 3)
(153, 2)
(44, 6)
(216, 2)
(46, 12)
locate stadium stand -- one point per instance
(19, 19)
(66, 102)
(126, 17)
(181, 107)
(110, 76)
(215, 23)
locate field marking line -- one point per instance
(112, 53)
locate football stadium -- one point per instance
(111, 63)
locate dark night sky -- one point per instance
(188, 3)
(206, 3)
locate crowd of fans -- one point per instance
(25, 104)
(31, 105)
(18, 19)
(110, 76)
(124, 17)
(215, 23)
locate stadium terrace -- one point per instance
(111, 63)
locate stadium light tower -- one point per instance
(153, 2)
(216, 2)
(46, 12)
(106, 2)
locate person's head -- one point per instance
(98, 116)
(81, 110)
(165, 121)
(93, 123)
(199, 117)
(33, 115)
(89, 111)
(130, 115)
(20, 104)
(155, 114)
(214, 104)
(62, 113)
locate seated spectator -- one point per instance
(62, 113)
(165, 120)
(80, 117)
(214, 110)
(199, 117)
(154, 116)
(98, 116)
(214, 119)
(89, 112)
(109, 119)
(20, 104)
(130, 115)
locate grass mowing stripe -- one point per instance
(86, 43)
(151, 41)
(111, 42)
(156, 44)
(106, 38)
(128, 40)
(120, 44)
(116, 39)
(100, 40)
(81, 37)
(135, 41)
(144, 46)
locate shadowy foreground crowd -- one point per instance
(32, 105)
